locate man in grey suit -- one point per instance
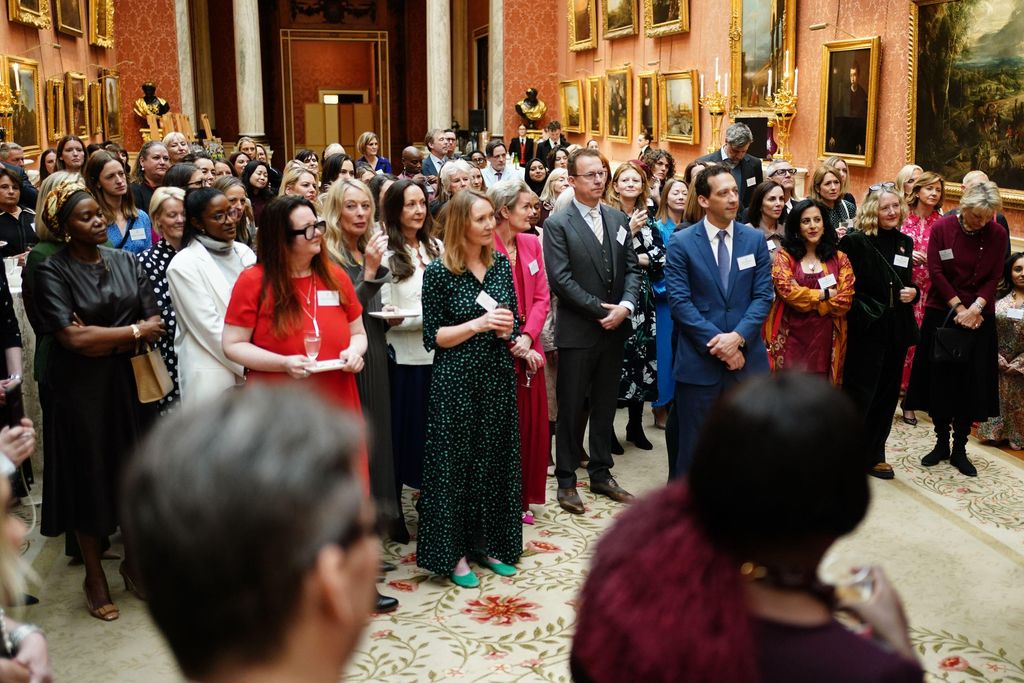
(746, 168)
(592, 269)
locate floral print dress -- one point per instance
(154, 262)
(919, 229)
(639, 382)
(1010, 423)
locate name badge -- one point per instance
(636, 243)
(137, 233)
(486, 301)
(1015, 314)
(533, 267)
(745, 262)
(827, 281)
(751, 182)
(327, 297)
(621, 237)
(901, 261)
(772, 246)
(946, 254)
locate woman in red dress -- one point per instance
(513, 204)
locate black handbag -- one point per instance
(953, 344)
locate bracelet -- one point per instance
(981, 309)
(19, 635)
(136, 332)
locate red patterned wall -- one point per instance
(148, 41)
(532, 55)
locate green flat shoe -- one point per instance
(469, 580)
(500, 568)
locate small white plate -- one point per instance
(327, 366)
(393, 315)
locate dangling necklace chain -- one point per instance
(310, 301)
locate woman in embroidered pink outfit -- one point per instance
(926, 196)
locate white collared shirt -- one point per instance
(438, 163)
(712, 232)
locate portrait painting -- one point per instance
(619, 18)
(570, 99)
(101, 23)
(966, 101)
(848, 101)
(680, 118)
(647, 98)
(56, 125)
(111, 106)
(619, 94)
(665, 17)
(582, 25)
(69, 17)
(762, 36)
(595, 108)
(30, 12)
(26, 127)
(95, 100)
(76, 98)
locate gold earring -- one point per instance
(67, 237)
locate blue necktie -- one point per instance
(723, 259)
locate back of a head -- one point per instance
(227, 505)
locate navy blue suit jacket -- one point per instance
(701, 309)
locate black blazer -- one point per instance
(576, 273)
(525, 154)
(750, 167)
(544, 148)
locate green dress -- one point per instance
(470, 503)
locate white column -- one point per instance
(187, 105)
(496, 69)
(439, 64)
(248, 70)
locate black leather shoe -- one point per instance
(611, 489)
(387, 567)
(385, 604)
(570, 501)
(936, 455)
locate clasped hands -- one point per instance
(725, 346)
(969, 318)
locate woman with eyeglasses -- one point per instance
(184, 175)
(128, 227)
(965, 262)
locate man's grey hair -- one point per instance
(506, 193)
(738, 135)
(7, 147)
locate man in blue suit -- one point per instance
(719, 289)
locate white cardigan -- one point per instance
(407, 337)
(200, 294)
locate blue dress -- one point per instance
(663, 332)
(126, 242)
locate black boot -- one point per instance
(617, 448)
(635, 427)
(941, 450)
(385, 604)
(958, 456)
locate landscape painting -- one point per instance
(761, 37)
(571, 100)
(620, 18)
(679, 116)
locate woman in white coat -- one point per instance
(201, 277)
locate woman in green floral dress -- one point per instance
(470, 503)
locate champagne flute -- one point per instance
(505, 307)
(312, 342)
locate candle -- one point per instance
(796, 78)
(786, 70)
(17, 79)
(716, 70)
(769, 82)
(702, 86)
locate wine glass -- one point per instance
(505, 307)
(529, 378)
(312, 342)
(850, 576)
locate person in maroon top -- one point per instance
(965, 263)
(735, 549)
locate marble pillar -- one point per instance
(496, 69)
(248, 69)
(439, 64)
(187, 90)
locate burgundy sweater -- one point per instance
(975, 268)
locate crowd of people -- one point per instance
(479, 314)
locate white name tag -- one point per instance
(772, 246)
(327, 297)
(636, 243)
(534, 268)
(486, 301)
(621, 237)
(745, 262)
(1015, 314)
(137, 233)
(946, 254)
(827, 281)
(751, 182)
(901, 261)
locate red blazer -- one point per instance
(531, 284)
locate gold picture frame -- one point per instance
(582, 25)
(56, 115)
(69, 17)
(27, 122)
(30, 12)
(101, 23)
(595, 106)
(96, 109)
(666, 17)
(619, 18)
(848, 101)
(76, 102)
(756, 48)
(679, 104)
(570, 106)
(647, 102)
(110, 82)
(619, 95)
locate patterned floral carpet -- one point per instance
(954, 548)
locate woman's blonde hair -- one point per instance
(984, 196)
(292, 174)
(334, 235)
(172, 136)
(924, 180)
(904, 175)
(693, 212)
(819, 177)
(867, 216)
(662, 213)
(156, 204)
(51, 181)
(547, 194)
(364, 140)
(458, 216)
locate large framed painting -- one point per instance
(69, 17)
(111, 84)
(27, 125)
(96, 109)
(619, 18)
(101, 23)
(967, 83)
(582, 25)
(762, 38)
(595, 106)
(848, 103)
(665, 17)
(647, 97)
(619, 93)
(56, 115)
(76, 99)
(30, 12)
(680, 114)
(570, 102)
